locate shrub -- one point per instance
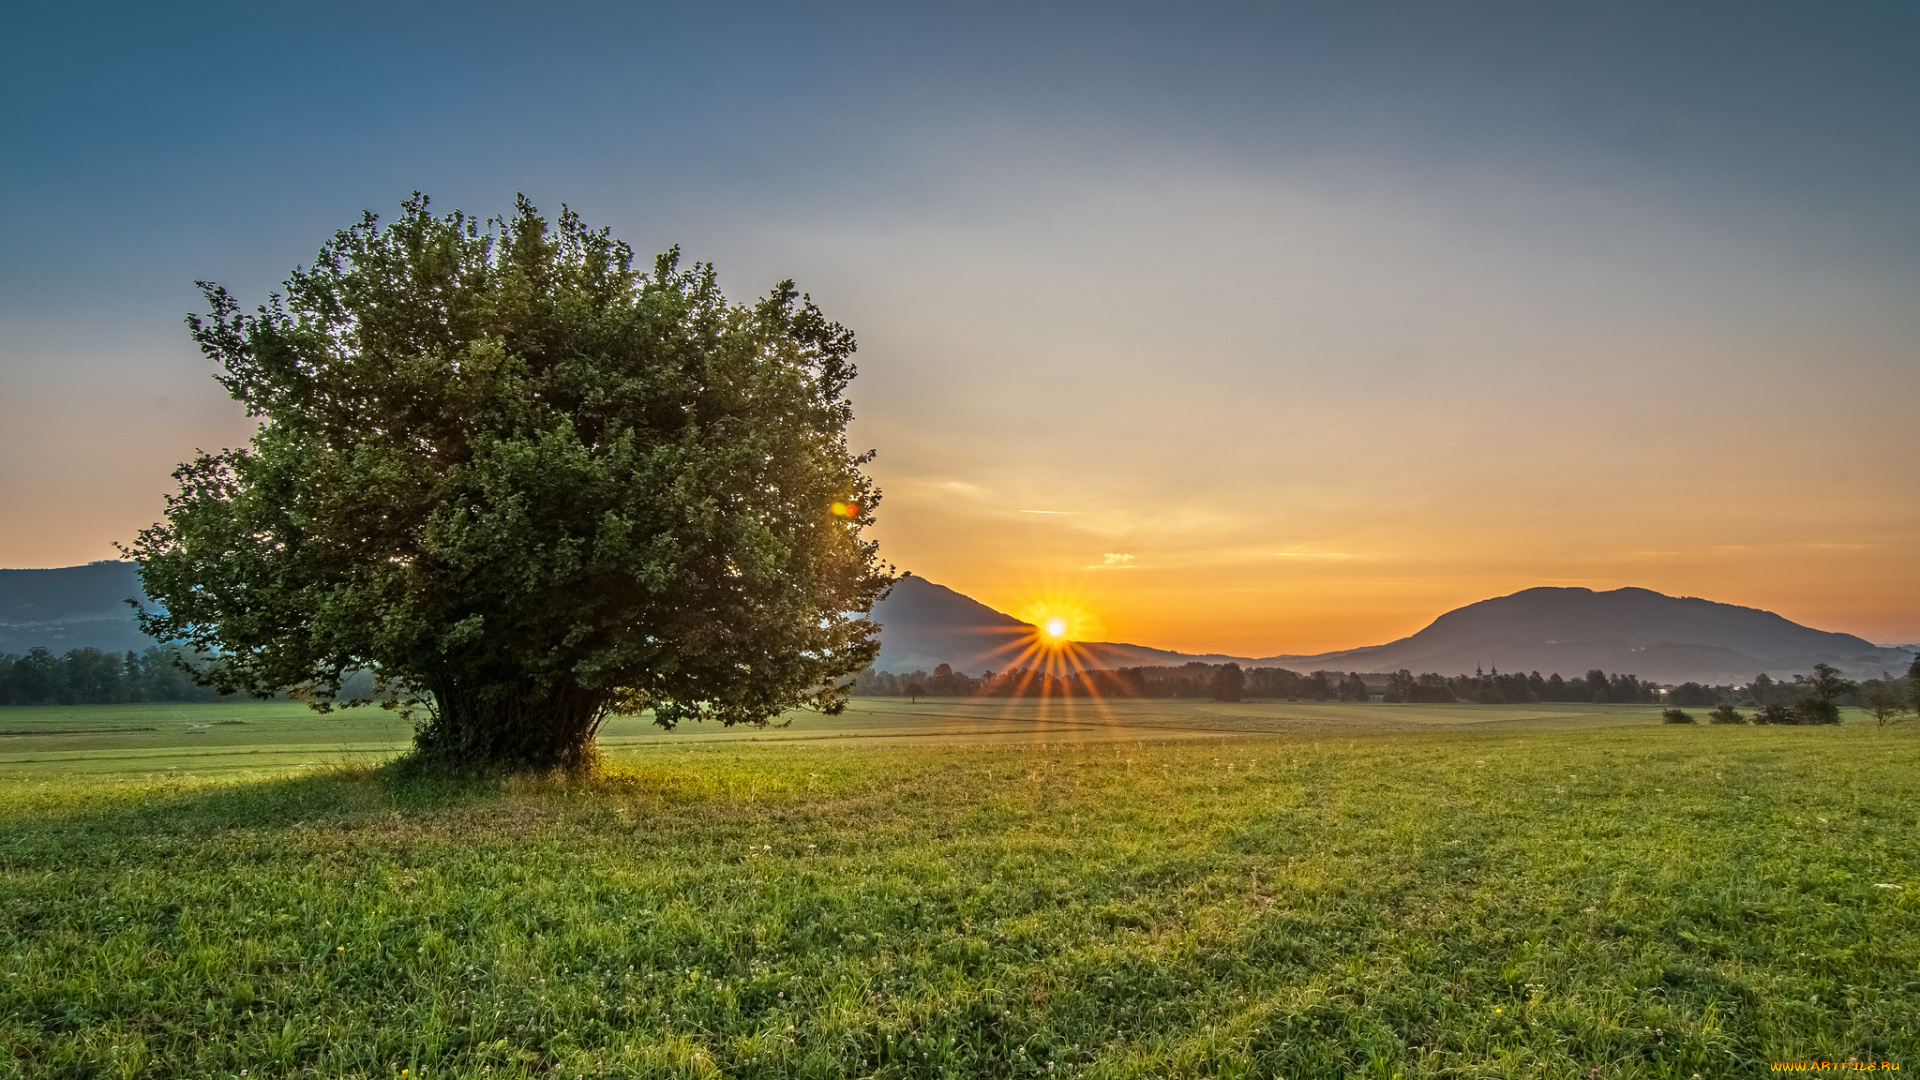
(1814, 709)
(1775, 713)
(1675, 716)
(1725, 714)
(1693, 695)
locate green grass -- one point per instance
(263, 739)
(959, 889)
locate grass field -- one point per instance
(964, 889)
(153, 740)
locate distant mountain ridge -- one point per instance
(1569, 630)
(1659, 637)
(71, 607)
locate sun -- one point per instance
(1059, 618)
(1045, 654)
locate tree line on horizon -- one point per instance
(1770, 698)
(92, 677)
(1230, 682)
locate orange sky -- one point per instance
(1305, 325)
(1288, 453)
(1302, 448)
(1281, 453)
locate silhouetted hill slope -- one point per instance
(1658, 637)
(924, 625)
(72, 607)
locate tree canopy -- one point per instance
(528, 486)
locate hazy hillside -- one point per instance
(924, 625)
(71, 607)
(1664, 638)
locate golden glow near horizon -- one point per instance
(1270, 367)
(1036, 657)
(1359, 407)
(1061, 614)
(1214, 572)
(1362, 407)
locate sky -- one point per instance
(1250, 329)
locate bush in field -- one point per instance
(1773, 713)
(1675, 716)
(1693, 695)
(529, 486)
(1814, 709)
(1725, 714)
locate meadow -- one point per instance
(963, 888)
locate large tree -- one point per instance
(529, 487)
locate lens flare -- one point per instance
(846, 509)
(1061, 617)
(1045, 658)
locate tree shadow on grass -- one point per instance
(340, 794)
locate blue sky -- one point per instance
(1331, 316)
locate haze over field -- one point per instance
(1234, 331)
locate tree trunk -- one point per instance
(504, 728)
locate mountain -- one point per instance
(923, 625)
(1662, 638)
(73, 607)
